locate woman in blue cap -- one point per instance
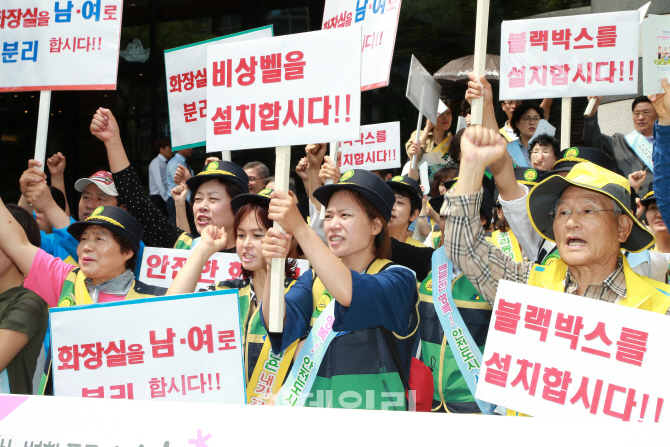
(211, 192)
(358, 351)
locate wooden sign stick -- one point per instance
(566, 116)
(277, 305)
(589, 108)
(42, 127)
(334, 149)
(479, 69)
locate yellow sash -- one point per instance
(444, 146)
(274, 369)
(508, 244)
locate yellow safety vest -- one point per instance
(74, 292)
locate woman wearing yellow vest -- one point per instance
(358, 352)
(435, 137)
(250, 226)
(108, 244)
(211, 191)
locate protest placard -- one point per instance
(177, 424)
(554, 354)
(161, 265)
(377, 148)
(67, 45)
(379, 20)
(53, 421)
(655, 53)
(186, 76)
(179, 348)
(562, 57)
(423, 90)
(283, 90)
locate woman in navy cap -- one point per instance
(211, 192)
(250, 226)
(109, 240)
(358, 351)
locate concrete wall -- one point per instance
(616, 117)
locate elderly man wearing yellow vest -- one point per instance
(584, 213)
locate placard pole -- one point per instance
(479, 68)
(415, 158)
(225, 156)
(42, 127)
(334, 149)
(277, 305)
(589, 108)
(566, 122)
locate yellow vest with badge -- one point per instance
(641, 292)
(74, 292)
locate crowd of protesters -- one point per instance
(503, 203)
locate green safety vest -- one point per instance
(360, 362)
(253, 331)
(184, 241)
(451, 393)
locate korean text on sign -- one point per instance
(186, 77)
(377, 148)
(59, 45)
(549, 353)
(185, 348)
(379, 20)
(594, 54)
(161, 265)
(283, 91)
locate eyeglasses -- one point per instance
(562, 214)
(512, 103)
(528, 119)
(544, 150)
(254, 179)
(643, 113)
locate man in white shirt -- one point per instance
(158, 189)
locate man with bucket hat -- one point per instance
(543, 251)
(585, 213)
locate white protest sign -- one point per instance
(379, 20)
(161, 265)
(377, 148)
(554, 354)
(423, 90)
(283, 90)
(543, 128)
(429, 162)
(66, 45)
(563, 57)
(655, 53)
(50, 421)
(186, 76)
(179, 348)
